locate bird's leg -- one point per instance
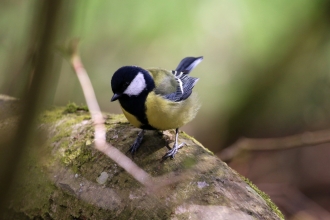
(135, 146)
(171, 153)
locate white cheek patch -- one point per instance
(137, 85)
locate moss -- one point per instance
(112, 119)
(72, 107)
(265, 197)
(77, 157)
(70, 141)
(68, 130)
(189, 162)
(50, 116)
(185, 135)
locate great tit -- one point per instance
(157, 99)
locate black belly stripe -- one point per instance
(136, 106)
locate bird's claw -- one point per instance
(135, 146)
(171, 153)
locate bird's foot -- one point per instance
(135, 146)
(171, 153)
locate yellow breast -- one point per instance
(164, 114)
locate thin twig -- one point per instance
(254, 144)
(100, 130)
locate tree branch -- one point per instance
(255, 144)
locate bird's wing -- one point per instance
(176, 85)
(185, 82)
(184, 87)
(165, 81)
(172, 85)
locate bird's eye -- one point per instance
(125, 85)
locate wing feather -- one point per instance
(185, 82)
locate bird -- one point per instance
(157, 99)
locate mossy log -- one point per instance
(62, 176)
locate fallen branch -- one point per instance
(255, 144)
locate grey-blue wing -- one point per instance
(185, 82)
(184, 89)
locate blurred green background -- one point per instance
(265, 71)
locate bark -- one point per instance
(64, 177)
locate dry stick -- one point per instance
(254, 144)
(100, 130)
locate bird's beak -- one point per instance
(115, 97)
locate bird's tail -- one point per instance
(187, 64)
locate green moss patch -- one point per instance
(265, 197)
(72, 107)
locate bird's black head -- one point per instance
(130, 81)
